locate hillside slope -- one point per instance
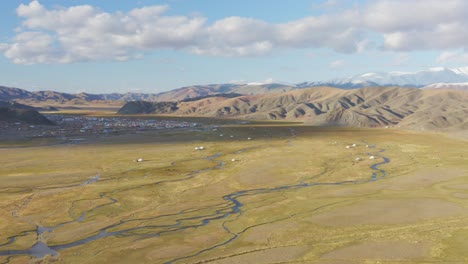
(180, 94)
(28, 116)
(366, 107)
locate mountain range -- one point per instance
(447, 86)
(440, 102)
(409, 108)
(403, 79)
(418, 79)
(440, 76)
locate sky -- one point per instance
(106, 46)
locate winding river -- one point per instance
(229, 206)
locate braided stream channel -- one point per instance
(229, 206)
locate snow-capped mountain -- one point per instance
(410, 79)
(447, 86)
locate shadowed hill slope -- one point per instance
(29, 116)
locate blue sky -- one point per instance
(153, 46)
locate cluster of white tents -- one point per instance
(201, 147)
(355, 145)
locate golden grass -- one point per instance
(159, 205)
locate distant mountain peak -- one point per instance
(461, 70)
(438, 69)
(398, 78)
(447, 86)
(369, 74)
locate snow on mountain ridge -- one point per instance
(461, 70)
(436, 69)
(447, 86)
(415, 79)
(368, 74)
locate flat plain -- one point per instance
(260, 193)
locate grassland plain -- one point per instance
(293, 194)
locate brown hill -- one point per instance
(366, 107)
(45, 100)
(180, 94)
(8, 93)
(212, 89)
(28, 116)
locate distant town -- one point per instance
(74, 125)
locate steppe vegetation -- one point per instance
(260, 193)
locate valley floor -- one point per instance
(255, 194)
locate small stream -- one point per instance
(236, 208)
(41, 249)
(92, 180)
(230, 206)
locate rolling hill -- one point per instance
(13, 112)
(12, 104)
(184, 93)
(410, 108)
(212, 89)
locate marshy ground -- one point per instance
(289, 194)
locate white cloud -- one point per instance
(254, 49)
(235, 36)
(86, 33)
(447, 56)
(364, 45)
(338, 64)
(34, 9)
(336, 32)
(453, 57)
(419, 24)
(416, 15)
(238, 31)
(32, 47)
(147, 13)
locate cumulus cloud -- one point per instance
(254, 49)
(86, 33)
(339, 33)
(33, 47)
(415, 15)
(235, 36)
(419, 24)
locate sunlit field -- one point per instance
(256, 193)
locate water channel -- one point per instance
(229, 206)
